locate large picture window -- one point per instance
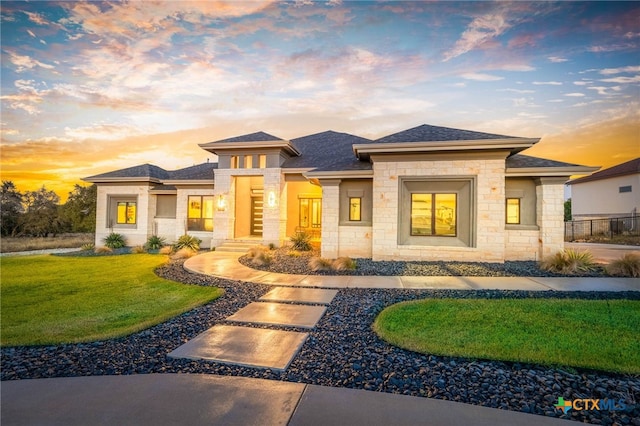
(433, 214)
(126, 213)
(200, 213)
(310, 212)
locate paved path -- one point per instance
(195, 399)
(226, 265)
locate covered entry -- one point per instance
(249, 204)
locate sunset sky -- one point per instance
(89, 87)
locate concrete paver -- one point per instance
(253, 347)
(149, 399)
(435, 283)
(504, 283)
(303, 295)
(590, 284)
(302, 316)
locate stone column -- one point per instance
(329, 244)
(550, 214)
(224, 205)
(272, 206)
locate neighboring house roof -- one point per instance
(427, 133)
(327, 151)
(151, 173)
(629, 168)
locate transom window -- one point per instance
(513, 211)
(310, 212)
(433, 214)
(355, 209)
(200, 213)
(126, 213)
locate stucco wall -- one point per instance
(602, 198)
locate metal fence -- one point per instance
(607, 227)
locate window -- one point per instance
(513, 211)
(166, 206)
(262, 161)
(248, 161)
(200, 213)
(355, 208)
(433, 214)
(624, 189)
(310, 212)
(126, 213)
(234, 162)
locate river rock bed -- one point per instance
(343, 351)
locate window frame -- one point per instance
(433, 217)
(127, 205)
(314, 219)
(519, 210)
(199, 224)
(625, 189)
(359, 209)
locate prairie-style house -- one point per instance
(431, 193)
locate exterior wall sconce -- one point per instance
(222, 203)
(271, 199)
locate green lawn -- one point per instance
(52, 300)
(599, 334)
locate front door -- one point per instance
(256, 215)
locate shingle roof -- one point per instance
(427, 133)
(628, 168)
(327, 151)
(141, 171)
(521, 161)
(198, 172)
(251, 137)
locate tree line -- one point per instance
(39, 213)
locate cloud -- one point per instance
(582, 83)
(521, 91)
(622, 80)
(480, 77)
(24, 62)
(557, 59)
(628, 69)
(575, 95)
(547, 83)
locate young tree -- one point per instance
(567, 211)
(10, 209)
(79, 212)
(41, 213)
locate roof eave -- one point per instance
(189, 182)
(340, 174)
(549, 171)
(213, 147)
(120, 179)
(513, 144)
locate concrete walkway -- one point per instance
(226, 265)
(195, 399)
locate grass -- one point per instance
(14, 244)
(593, 334)
(54, 300)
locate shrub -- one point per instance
(301, 241)
(184, 253)
(138, 249)
(187, 241)
(114, 240)
(569, 262)
(319, 264)
(272, 246)
(294, 253)
(155, 242)
(87, 247)
(103, 250)
(344, 264)
(259, 255)
(627, 266)
(166, 250)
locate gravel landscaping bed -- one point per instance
(343, 351)
(282, 261)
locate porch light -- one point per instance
(271, 198)
(222, 203)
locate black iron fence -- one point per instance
(605, 228)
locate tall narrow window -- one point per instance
(200, 213)
(513, 211)
(234, 162)
(310, 213)
(355, 208)
(248, 161)
(433, 214)
(126, 213)
(262, 161)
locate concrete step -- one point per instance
(236, 246)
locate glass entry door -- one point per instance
(256, 215)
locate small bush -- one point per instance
(114, 240)
(138, 249)
(188, 241)
(155, 242)
(627, 266)
(262, 258)
(294, 253)
(87, 247)
(344, 264)
(166, 250)
(272, 246)
(319, 264)
(301, 241)
(103, 250)
(255, 251)
(569, 262)
(184, 253)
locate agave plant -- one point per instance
(114, 241)
(155, 242)
(189, 242)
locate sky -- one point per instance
(90, 87)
